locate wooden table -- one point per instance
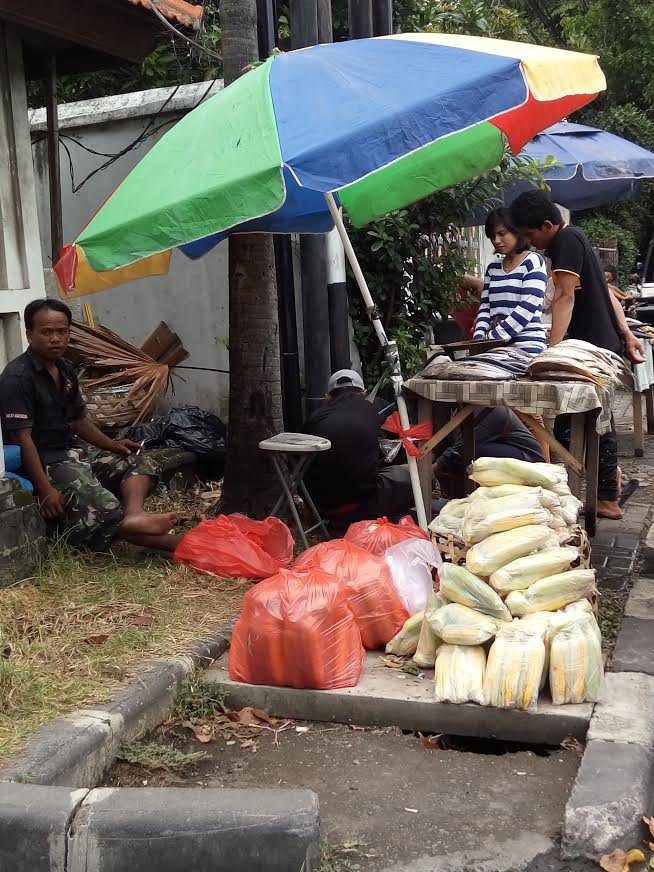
(588, 406)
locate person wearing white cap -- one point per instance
(349, 482)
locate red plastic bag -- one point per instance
(377, 607)
(377, 536)
(233, 546)
(297, 630)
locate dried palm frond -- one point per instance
(121, 364)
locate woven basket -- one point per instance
(454, 550)
(107, 407)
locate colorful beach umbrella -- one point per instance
(369, 125)
(377, 123)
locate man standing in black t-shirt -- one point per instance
(582, 308)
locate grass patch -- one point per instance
(85, 622)
(151, 756)
(611, 606)
(197, 701)
(333, 858)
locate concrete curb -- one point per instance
(74, 751)
(54, 829)
(614, 787)
(53, 822)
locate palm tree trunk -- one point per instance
(255, 397)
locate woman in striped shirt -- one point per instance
(514, 289)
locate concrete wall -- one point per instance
(21, 274)
(193, 298)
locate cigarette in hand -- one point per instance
(140, 448)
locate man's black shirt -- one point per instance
(347, 474)
(593, 318)
(29, 398)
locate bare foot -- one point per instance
(148, 523)
(609, 509)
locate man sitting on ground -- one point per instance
(91, 497)
(349, 481)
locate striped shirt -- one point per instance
(512, 304)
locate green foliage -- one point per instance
(198, 700)
(152, 756)
(413, 260)
(599, 227)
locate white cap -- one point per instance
(345, 378)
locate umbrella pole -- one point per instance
(389, 348)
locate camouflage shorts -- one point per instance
(90, 481)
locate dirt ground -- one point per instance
(387, 802)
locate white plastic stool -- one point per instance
(300, 449)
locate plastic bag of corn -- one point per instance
(520, 573)
(515, 667)
(492, 471)
(552, 593)
(547, 498)
(459, 674)
(459, 585)
(576, 666)
(486, 557)
(428, 641)
(582, 607)
(450, 518)
(405, 643)
(485, 517)
(460, 625)
(570, 507)
(543, 620)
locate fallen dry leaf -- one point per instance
(142, 620)
(248, 743)
(96, 639)
(394, 662)
(248, 716)
(649, 823)
(431, 743)
(203, 733)
(619, 861)
(572, 744)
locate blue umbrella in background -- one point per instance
(596, 168)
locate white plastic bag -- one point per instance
(411, 564)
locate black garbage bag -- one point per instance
(189, 428)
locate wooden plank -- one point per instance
(639, 444)
(649, 405)
(577, 443)
(592, 470)
(554, 444)
(175, 354)
(468, 434)
(425, 467)
(445, 431)
(159, 341)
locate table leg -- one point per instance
(592, 470)
(425, 469)
(638, 424)
(468, 436)
(649, 405)
(577, 441)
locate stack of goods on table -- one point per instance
(576, 360)
(516, 613)
(497, 364)
(309, 626)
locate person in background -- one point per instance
(349, 482)
(582, 308)
(90, 497)
(513, 289)
(498, 433)
(611, 276)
